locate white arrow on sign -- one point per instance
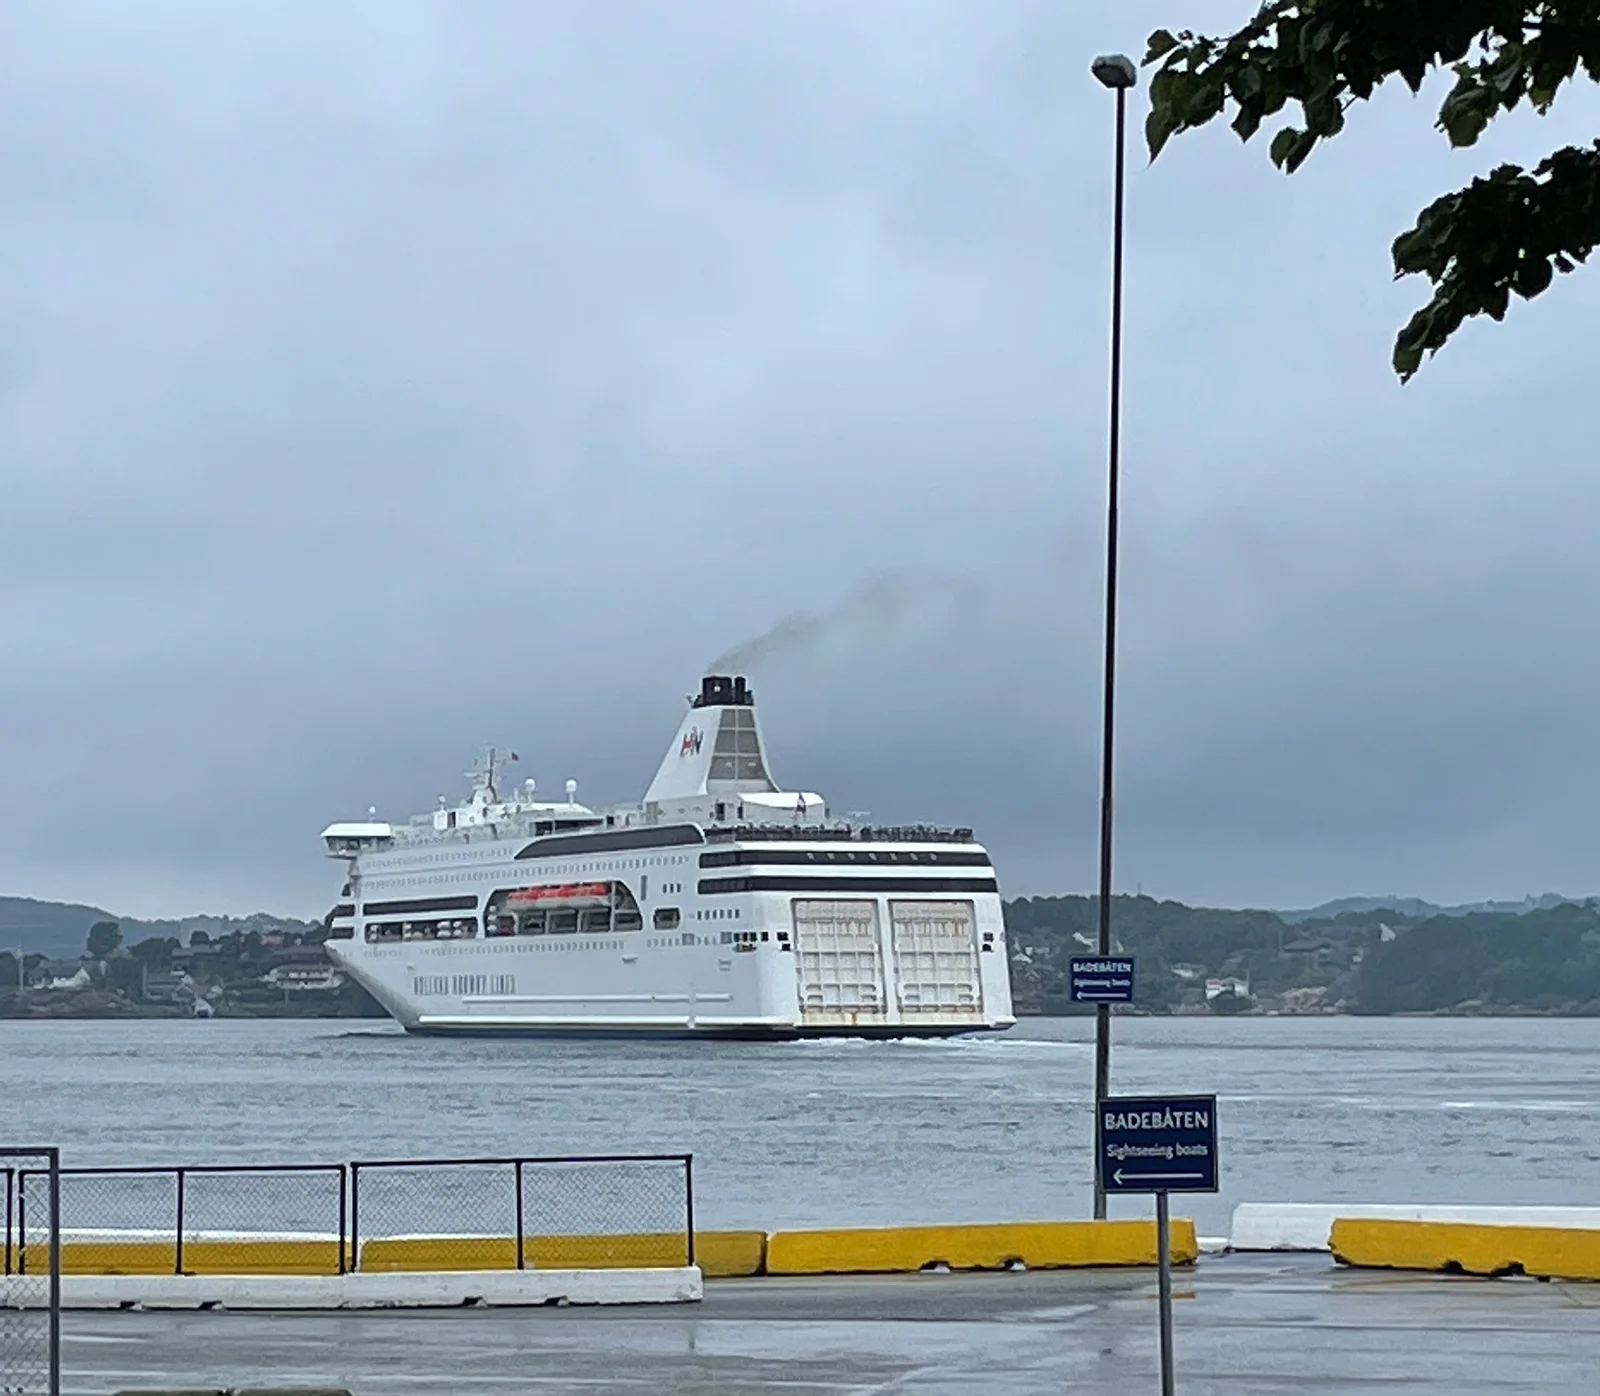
(1155, 1177)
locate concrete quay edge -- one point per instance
(458, 1289)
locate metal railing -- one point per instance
(522, 1211)
(215, 1208)
(576, 1210)
(30, 1300)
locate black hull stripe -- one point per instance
(419, 904)
(612, 841)
(906, 886)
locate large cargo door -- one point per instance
(839, 959)
(936, 957)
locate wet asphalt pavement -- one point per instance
(1246, 1326)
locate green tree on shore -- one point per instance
(104, 939)
(1509, 231)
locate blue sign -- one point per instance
(1157, 1143)
(1101, 980)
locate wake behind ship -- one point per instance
(717, 906)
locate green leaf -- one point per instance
(1532, 277)
(1283, 145)
(1168, 94)
(1466, 111)
(1505, 73)
(1206, 98)
(1159, 128)
(1160, 44)
(1406, 250)
(1303, 142)
(1324, 116)
(1407, 357)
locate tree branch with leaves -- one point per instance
(1508, 232)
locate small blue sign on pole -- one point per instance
(1101, 979)
(1157, 1143)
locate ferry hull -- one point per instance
(789, 967)
(602, 1033)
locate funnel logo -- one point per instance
(691, 743)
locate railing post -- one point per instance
(688, 1201)
(355, 1225)
(10, 1172)
(22, 1221)
(343, 1209)
(55, 1273)
(178, 1252)
(521, 1261)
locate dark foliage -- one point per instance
(1508, 232)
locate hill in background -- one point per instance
(1369, 957)
(1417, 909)
(59, 929)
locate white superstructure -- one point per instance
(718, 905)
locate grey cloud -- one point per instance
(382, 380)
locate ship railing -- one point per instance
(839, 833)
(580, 1211)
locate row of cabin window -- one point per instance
(558, 921)
(461, 928)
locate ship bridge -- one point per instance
(348, 840)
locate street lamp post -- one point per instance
(1117, 72)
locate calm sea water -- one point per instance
(1436, 1110)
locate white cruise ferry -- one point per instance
(717, 906)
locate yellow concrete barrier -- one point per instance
(718, 1253)
(229, 1257)
(439, 1253)
(1037, 1245)
(726, 1255)
(1471, 1248)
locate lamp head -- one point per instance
(1115, 70)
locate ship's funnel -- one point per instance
(718, 748)
(719, 690)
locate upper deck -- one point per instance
(713, 786)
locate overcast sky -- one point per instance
(381, 379)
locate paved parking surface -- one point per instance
(1246, 1326)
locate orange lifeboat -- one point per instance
(565, 894)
